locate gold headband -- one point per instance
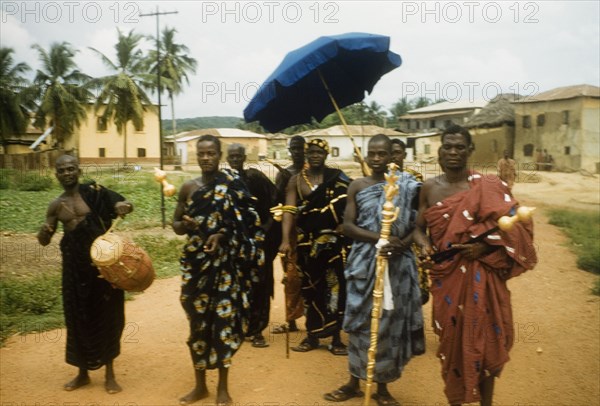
(319, 143)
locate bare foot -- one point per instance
(223, 399)
(112, 386)
(193, 396)
(77, 382)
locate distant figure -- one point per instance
(507, 170)
(93, 309)
(540, 159)
(265, 196)
(550, 163)
(218, 263)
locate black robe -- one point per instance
(93, 309)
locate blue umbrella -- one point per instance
(311, 80)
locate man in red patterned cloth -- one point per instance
(471, 303)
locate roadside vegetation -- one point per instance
(583, 229)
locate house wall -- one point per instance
(573, 143)
(490, 144)
(426, 148)
(88, 140)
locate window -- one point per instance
(335, 151)
(565, 117)
(139, 128)
(427, 149)
(541, 119)
(567, 150)
(526, 121)
(528, 150)
(418, 125)
(102, 152)
(432, 124)
(101, 124)
(141, 152)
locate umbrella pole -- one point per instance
(365, 168)
(389, 215)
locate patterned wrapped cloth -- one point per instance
(216, 289)
(401, 333)
(321, 253)
(471, 302)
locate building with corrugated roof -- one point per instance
(340, 144)
(438, 116)
(256, 144)
(565, 123)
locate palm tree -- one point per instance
(13, 115)
(400, 108)
(175, 65)
(61, 91)
(121, 93)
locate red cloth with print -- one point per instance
(471, 303)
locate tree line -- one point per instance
(60, 93)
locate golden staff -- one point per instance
(389, 215)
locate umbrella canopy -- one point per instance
(350, 64)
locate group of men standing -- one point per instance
(329, 242)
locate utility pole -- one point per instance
(158, 13)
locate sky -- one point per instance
(453, 50)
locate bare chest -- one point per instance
(71, 211)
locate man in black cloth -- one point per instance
(265, 197)
(315, 200)
(94, 310)
(219, 261)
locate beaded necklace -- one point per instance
(305, 177)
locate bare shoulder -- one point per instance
(54, 205)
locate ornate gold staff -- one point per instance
(389, 215)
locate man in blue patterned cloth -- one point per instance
(220, 258)
(401, 334)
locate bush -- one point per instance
(34, 182)
(34, 295)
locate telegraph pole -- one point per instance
(158, 13)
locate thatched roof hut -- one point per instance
(497, 112)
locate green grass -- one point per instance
(140, 188)
(30, 303)
(33, 302)
(583, 229)
(165, 253)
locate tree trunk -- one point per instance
(125, 144)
